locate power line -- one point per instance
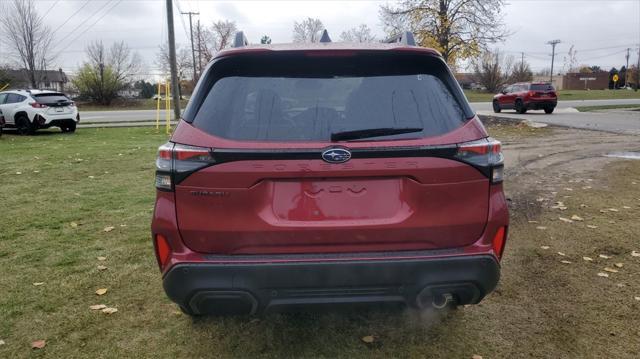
(90, 26)
(49, 9)
(69, 18)
(85, 21)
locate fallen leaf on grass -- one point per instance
(38, 344)
(544, 247)
(561, 253)
(102, 267)
(108, 228)
(541, 227)
(101, 291)
(610, 270)
(37, 284)
(626, 207)
(18, 173)
(533, 221)
(635, 254)
(612, 210)
(2, 342)
(604, 256)
(565, 262)
(368, 339)
(591, 226)
(636, 298)
(566, 220)
(577, 218)
(97, 306)
(588, 259)
(600, 274)
(102, 258)
(476, 356)
(109, 310)
(91, 177)
(619, 265)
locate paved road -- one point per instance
(486, 106)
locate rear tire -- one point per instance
(520, 107)
(548, 110)
(68, 127)
(24, 126)
(496, 107)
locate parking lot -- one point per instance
(79, 222)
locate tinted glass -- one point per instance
(15, 98)
(542, 87)
(52, 98)
(3, 97)
(303, 108)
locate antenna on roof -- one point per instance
(240, 40)
(405, 38)
(325, 36)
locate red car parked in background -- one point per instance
(525, 96)
(328, 173)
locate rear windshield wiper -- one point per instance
(372, 132)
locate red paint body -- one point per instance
(271, 211)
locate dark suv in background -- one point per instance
(525, 96)
(328, 173)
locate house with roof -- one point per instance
(46, 80)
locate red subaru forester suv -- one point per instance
(328, 173)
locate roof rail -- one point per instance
(405, 38)
(325, 36)
(240, 40)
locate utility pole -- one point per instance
(193, 52)
(626, 71)
(553, 44)
(638, 71)
(522, 60)
(199, 50)
(175, 85)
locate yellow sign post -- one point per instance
(615, 79)
(158, 106)
(168, 107)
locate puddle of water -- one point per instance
(628, 155)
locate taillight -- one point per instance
(37, 105)
(499, 240)
(485, 154)
(532, 93)
(175, 162)
(163, 251)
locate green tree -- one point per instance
(98, 84)
(147, 90)
(459, 29)
(265, 40)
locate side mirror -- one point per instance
(503, 91)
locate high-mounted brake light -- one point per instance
(486, 154)
(175, 161)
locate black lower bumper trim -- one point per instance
(208, 288)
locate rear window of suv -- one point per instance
(307, 98)
(52, 98)
(541, 87)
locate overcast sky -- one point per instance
(600, 30)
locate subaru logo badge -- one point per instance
(336, 155)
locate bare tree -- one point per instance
(124, 63)
(361, 33)
(27, 37)
(459, 29)
(223, 32)
(308, 30)
(521, 72)
(183, 62)
(492, 70)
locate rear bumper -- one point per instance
(250, 288)
(540, 104)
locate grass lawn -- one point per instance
(564, 95)
(607, 107)
(59, 193)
